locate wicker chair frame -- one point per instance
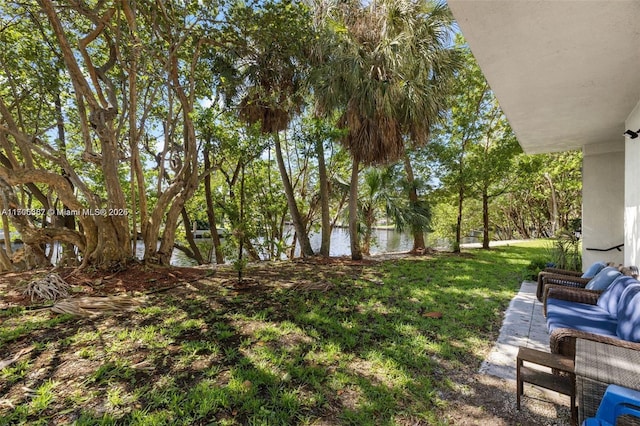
(553, 272)
(573, 280)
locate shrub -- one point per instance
(565, 252)
(535, 266)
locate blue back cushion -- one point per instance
(603, 279)
(593, 270)
(629, 314)
(608, 300)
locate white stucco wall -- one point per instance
(603, 198)
(632, 192)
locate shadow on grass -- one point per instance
(362, 351)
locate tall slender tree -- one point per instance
(268, 53)
(382, 70)
(490, 161)
(475, 146)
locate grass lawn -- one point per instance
(309, 342)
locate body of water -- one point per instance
(384, 241)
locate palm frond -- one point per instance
(93, 306)
(50, 287)
(388, 70)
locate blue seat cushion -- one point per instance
(603, 279)
(608, 300)
(593, 270)
(629, 314)
(580, 316)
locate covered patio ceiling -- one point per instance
(566, 73)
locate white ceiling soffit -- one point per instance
(566, 73)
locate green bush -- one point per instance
(535, 266)
(565, 253)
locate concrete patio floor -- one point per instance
(523, 325)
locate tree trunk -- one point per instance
(292, 248)
(185, 181)
(5, 261)
(303, 237)
(31, 255)
(114, 238)
(187, 185)
(188, 231)
(211, 215)
(354, 237)
(5, 252)
(69, 256)
(254, 256)
(240, 263)
(108, 236)
(554, 205)
(456, 244)
(418, 232)
(485, 219)
(137, 178)
(325, 245)
(5, 229)
(369, 219)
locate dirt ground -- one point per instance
(479, 400)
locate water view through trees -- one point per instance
(385, 240)
(255, 115)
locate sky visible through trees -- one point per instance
(270, 119)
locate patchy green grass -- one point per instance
(311, 343)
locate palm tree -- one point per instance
(374, 197)
(384, 67)
(381, 192)
(268, 54)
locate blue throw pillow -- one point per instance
(603, 279)
(608, 300)
(629, 314)
(593, 270)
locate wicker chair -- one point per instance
(557, 280)
(563, 340)
(578, 284)
(566, 277)
(546, 278)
